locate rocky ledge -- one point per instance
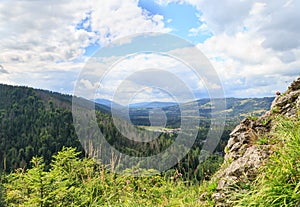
(243, 154)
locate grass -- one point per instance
(252, 118)
(275, 110)
(263, 140)
(207, 189)
(279, 181)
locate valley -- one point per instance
(38, 132)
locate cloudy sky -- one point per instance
(253, 46)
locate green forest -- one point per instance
(40, 123)
(43, 163)
(37, 132)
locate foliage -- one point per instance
(236, 108)
(1, 190)
(35, 125)
(263, 140)
(206, 190)
(82, 182)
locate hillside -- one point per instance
(39, 122)
(262, 165)
(33, 122)
(236, 110)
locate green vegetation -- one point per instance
(42, 162)
(275, 110)
(236, 109)
(279, 181)
(253, 118)
(72, 181)
(39, 123)
(263, 140)
(33, 123)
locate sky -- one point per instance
(253, 46)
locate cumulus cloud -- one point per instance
(283, 27)
(115, 19)
(42, 31)
(43, 38)
(150, 71)
(255, 47)
(277, 21)
(247, 68)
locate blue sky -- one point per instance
(253, 46)
(181, 18)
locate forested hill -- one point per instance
(261, 165)
(36, 122)
(33, 122)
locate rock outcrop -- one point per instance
(244, 154)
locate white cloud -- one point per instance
(116, 19)
(42, 30)
(283, 28)
(277, 21)
(203, 29)
(255, 47)
(150, 70)
(246, 67)
(43, 42)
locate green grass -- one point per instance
(253, 118)
(279, 181)
(275, 110)
(263, 140)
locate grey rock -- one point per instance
(287, 104)
(295, 85)
(217, 197)
(243, 157)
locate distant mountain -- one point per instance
(154, 104)
(151, 105)
(102, 101)
(108, 103)
(236, 110)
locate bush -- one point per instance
(82, 182)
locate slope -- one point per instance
(261, 166)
